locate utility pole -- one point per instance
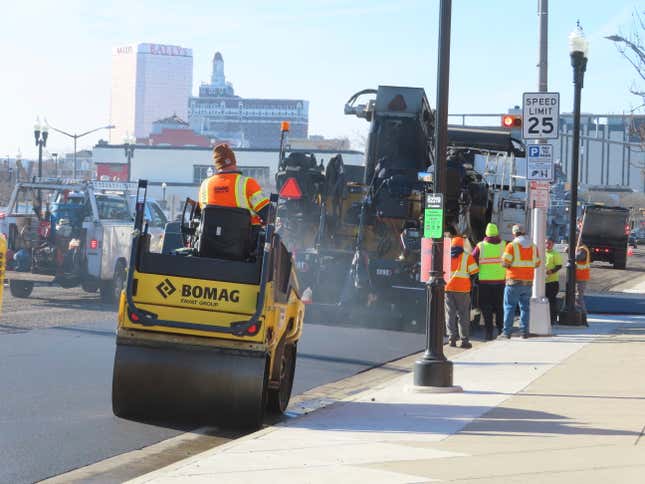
(540, 321)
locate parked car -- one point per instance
(639, 236)
(156, 219)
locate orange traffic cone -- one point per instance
(306, 296)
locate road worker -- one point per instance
(520, 260)
(488, 255)
(583, 274)
(462, 267)
(229, 188)
(552, 282)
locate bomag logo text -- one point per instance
(210, 296)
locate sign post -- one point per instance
(541, 122)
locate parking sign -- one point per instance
(539, 162)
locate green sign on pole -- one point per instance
(433, 216)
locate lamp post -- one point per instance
(578, 47)
(41, 132)
(55, 157)
(164, 185)
(75, 138)
(129, 143)
(434, 369)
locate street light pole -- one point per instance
(55, 157)
(434, 369)
(578, 47)
(128, 146)
(41, 132)
(75, 137)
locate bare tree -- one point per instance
(631, 46)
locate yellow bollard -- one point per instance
(3, 265)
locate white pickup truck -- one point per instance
(71, 233)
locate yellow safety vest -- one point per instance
(553, 258)
(490, 261)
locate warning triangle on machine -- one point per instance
(291, 189)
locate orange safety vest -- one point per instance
(583, 269)
(461, 268)
(232, 189)
(523, 261)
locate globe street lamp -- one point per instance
(129, 143)
(41, 131)
(76, 136)
(578, 48)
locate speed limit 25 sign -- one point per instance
(540, 115)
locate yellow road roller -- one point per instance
(207, 328)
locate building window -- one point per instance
(200, 172)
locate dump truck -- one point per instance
(208, 328)
(605, 231)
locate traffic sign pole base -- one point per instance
(540, 321)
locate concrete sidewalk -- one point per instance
(567, 408)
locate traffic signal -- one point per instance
(511, 121)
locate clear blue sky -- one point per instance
(56, 55)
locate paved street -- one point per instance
(58, 347)
(56, 375)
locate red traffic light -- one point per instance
(511, 121)
(291, 190)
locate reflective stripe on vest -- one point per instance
(521, 269)
(517, 258)
(490, 262)
(240, 193)
(460, 279)
(462, 271)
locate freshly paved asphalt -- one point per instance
(57, 349)
(55, 382)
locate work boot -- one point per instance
(465, 344)
(525, 335)
(453, 342)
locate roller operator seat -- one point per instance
(225, 233)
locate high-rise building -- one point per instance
(149, 82)
(250, 123)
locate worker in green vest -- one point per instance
(488, 254)
(552, 281)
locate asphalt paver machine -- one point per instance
(208, 328)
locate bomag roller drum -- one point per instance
(207, 335)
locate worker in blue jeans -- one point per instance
(520, 260)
